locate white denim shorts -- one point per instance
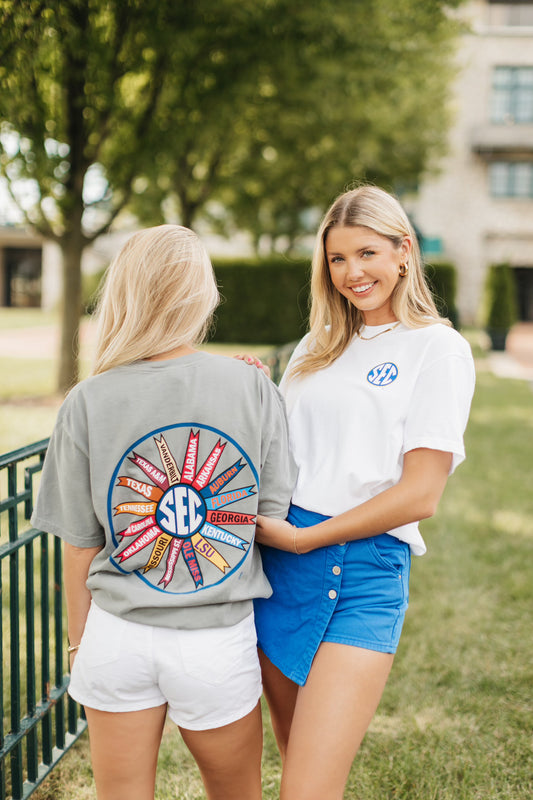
(209, 677)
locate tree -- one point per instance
(288, 102)
(79, 82)
(367, 99)
(252, 113)
(221, 69)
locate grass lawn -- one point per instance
(14, 318)
(456, 719)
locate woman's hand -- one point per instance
(276, 533)
(254, 361)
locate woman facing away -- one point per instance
(156, 469)
(378, 395)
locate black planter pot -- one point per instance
(497, 338)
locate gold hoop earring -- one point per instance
(403, 270)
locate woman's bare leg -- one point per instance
(229, 758)
(333, 711)
(281, 694)
(124, 750)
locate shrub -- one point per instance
(501, 300)
(501, 305)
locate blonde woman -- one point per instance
(378, 395)
(157, 467)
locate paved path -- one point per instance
(41, 341)
(517, 360)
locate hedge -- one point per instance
(266, 301)
(263, 301)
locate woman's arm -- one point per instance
(76, 563)
(414, 497)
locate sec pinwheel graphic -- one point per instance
(181, 508)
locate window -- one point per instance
(510, 14)
(22, 276)
(511, 179)
(512, 94)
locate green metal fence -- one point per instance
(39, 721)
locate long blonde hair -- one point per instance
(159, 294)
(334, 321)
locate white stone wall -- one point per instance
(456, 205)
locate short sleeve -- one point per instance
(64, 503)
(278, 470)
(440, 405)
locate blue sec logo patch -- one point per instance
(383, 374)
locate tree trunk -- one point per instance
(71, 307)
(188, 213)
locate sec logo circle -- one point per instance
(181, 511)
(383, 374)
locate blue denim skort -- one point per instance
(355, 594)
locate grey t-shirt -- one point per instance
(166, 464)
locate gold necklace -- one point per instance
(368, 338)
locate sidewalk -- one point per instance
(517, 360)
(41, 341)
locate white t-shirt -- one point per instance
(351, 423)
